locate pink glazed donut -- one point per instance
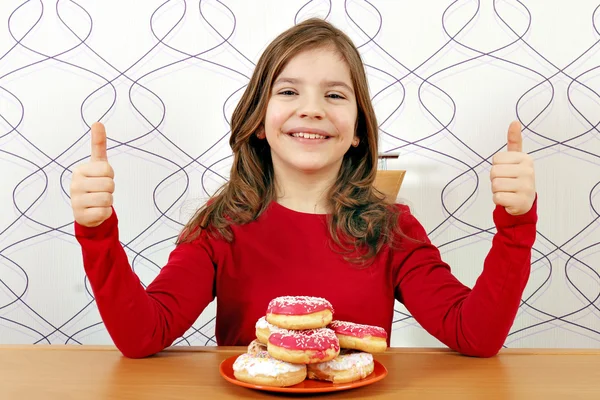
(299, 312)
(368, 338)
(304, 347)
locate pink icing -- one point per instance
(298, 305)
(319, 340)
(357, 330)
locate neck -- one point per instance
(304, 192)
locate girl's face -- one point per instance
(311, 114)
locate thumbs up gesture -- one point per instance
(92, 185)
(513, 175)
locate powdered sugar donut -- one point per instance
(305, 346)
(264, 330)
(262, 369)
(256, 347)
(369, 338)
(347, 367)
(299, 312)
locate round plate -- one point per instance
(308, 385)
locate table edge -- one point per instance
(241, 349)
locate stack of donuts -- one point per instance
(298, 339)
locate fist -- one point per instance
(513, 175)
(92, 185)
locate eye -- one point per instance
(287, 92)
(335, 96)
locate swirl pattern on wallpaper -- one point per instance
(446, 79)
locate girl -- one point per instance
(300, 216)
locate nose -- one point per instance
(311, 107)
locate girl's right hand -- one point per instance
(92, 184)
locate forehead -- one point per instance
(318, 64)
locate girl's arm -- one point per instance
(141, 321)
(473, 322)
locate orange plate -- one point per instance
(308, 385)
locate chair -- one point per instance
(389, 181)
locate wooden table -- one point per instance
(96, 372)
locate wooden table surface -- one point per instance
(99, 372)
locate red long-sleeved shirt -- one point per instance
(285, 252)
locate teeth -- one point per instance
(308, 135)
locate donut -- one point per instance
(305, 346)
(299, 312)
(256, 346)
(264, 330)
(262, 369)
(368, 338)
(347, 367)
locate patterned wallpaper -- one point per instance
(446, 78)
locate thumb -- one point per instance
(98, 142)
(515, 139)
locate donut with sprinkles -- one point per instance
(304, 346)
(299, 312)
(263, 330)
(349, 366)
(261, 369)
(368, 338)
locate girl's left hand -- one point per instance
(513, 175)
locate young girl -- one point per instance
(300, 216)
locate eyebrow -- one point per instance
(328, 84)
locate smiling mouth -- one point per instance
(303, 135)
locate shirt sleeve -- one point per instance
(141, 321)
(473, 321)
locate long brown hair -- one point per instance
(360, 221)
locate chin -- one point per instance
(310, 167)
(310, 163)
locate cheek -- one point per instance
(274, 118)
(346, 122)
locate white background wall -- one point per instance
(446, 80)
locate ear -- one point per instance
(260, 133)
(355, 141)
